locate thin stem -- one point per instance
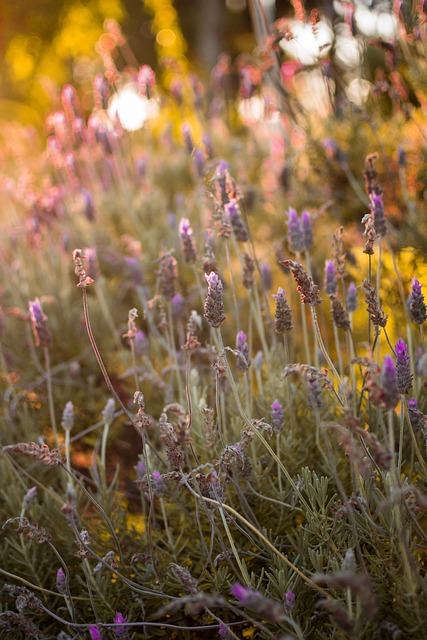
(322, 345)
(267, 542)
(50, 395)
(251, 426)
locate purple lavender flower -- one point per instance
(140, 343)
(140, 470)
(241, 593)
(377, 208)
(416, 305)
(224, 631)
(237, 224)
(289, 601)
(351, 297)
(29, 496)
(158, 483)
(404, 375)
(89, 207)
(307, 228)
(330, 283)
(121, 620)
(214, 304)
(295, 232)
(61, 581)
(389, 383)
(95, 633)
(199, 163)
(188, 140)
(41, 331)
(418, 418)
(243, 360)
(277, 416)
(177, 306)
(187, 241)
(266, 277)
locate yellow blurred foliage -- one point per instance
(35, 67)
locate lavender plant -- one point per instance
(227, 466)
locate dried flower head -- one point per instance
(189, 584)
(248, 272)
(339, 314)
(378, 318)
(41, 331)
(283, 313)
(339, 252)
(306, 287)
(214, 303)
(84, 279)
(168, 275)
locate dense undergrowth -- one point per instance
(213, 362)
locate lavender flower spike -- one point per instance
(41, 331)
(331, 286)
(389, 383)
(283, 315)
(187, 241)
(404, 375)
(295, 232)
(416, 305)
(95, 633)
(277, 417)
(244, 594)
(214, 304)
(243, 360)
(307, 228)
(351, 298)
(120, 620)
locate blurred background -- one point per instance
(47, 43)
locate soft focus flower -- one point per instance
(389, 383)
(277, 416)
(416, 305)
(351, 297)
(95, 633)
(404, 375)
(296, 239)
(243, 360)
(241, 593)
(41, 331)
(331, 286)
(121, 620)
(61, 581)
